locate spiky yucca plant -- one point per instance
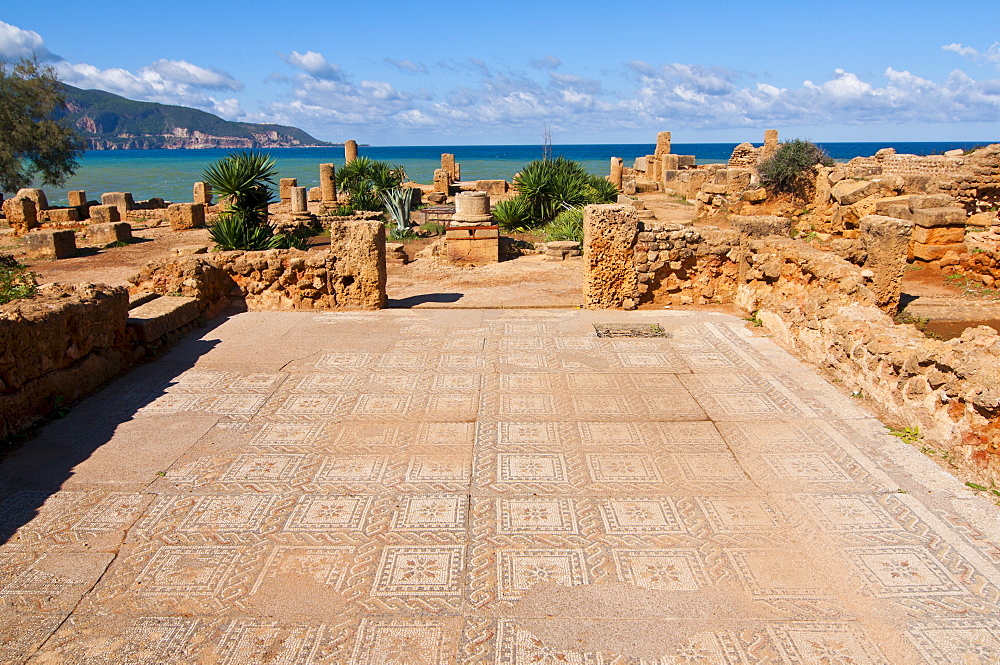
(244, 180)
(366, 179)
(550, 186)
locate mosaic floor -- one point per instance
(487, 487)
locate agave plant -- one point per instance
(397, 202)
(244, 180)
(365, 180)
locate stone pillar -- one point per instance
(653, 169)
(770, 144)
(662, 144)
(50, 244)
(350, 151)
(21, 214)
(78, 199)
(328, 182)
(458, 172)
(887, 241)
(472, 236)
(442, 181)
(300, 202)
(609, 237)
(285, 186)
(36, 195)
(617, 164)
(448, 164)
(202, 193)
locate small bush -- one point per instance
(551, 186)
(233, 230)
(568, 225)
(16, 281)
(513, 214)
(433, 228)
(789, 169)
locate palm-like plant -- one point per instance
(244, 180)
(550, 186)
(365, 180)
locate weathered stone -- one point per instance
(161, 316)
(60, 215)
(78, 199)
(299, 200)
(884, 205)
(848, 192)
(492, 187)
(924, 252)
(442, 181)
(350, 151)
(686, 161)
(758, 195)
(937, 217)
(121, 200)
(21, 214)
(36, 195)
(105, 234)
(918, 201)
(285, 186)
(40, 244)
(472, 207)
(315, 194)
(886, 241)
(609, 234)
(103, 214)
(662, 144)
(982, 219)
(942, 235)
(616, 172)
(202, 193)
(184, 216)
(328, 182)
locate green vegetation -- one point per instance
(433, 228)
(244, 180)
(568, 225)
(16, 281)
(397, 202)
(366, 181)
(512, 214)
(909, 435)
(788, 169)
(34, 143)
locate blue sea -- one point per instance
(169, 174)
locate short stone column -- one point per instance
(770, 144)
(50, 244)
(21, 214)
(299, 199)
(617, 165)
(36, 195)
(202, 193)
(886, 241)
(78, 199)
(609, 237)
(285, 186)
(662, 144)
(471, 235)
(184, 216)
(106, 234)
(328, 182)
(350, 151)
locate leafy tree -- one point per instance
(789, 168)
(33, 143)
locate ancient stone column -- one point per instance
(472, 207)
(202, 193)
(442, 181)
(300, 202)
(770, 144)
(448, 164)
(350, 151)
(616, 172)
(662, 144)
(77, 198)
(472, 236)
(328, 182)
(285, 186)
(609, 236)
(887, 242)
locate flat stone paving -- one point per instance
(487, 487)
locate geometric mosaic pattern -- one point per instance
(461, 486)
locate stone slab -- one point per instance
(162, 315)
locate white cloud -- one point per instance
(16, 43)
(990, 56)
(548, 62)
(314, 64)
(182, 71)
(408, 66)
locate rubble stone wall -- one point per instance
(57, 347)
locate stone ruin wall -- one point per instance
(833, 313)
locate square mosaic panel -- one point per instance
(325, 565)
(420, 571)
(905, 571)
(740, 514)
(519, 570)
(445, 434)
(623, 468)
(528, 434)
(438, 512)
(536, 515)
(638, 516)
(325, 513)
(242, 512)
(611, 434)
(187, 570)
(246, 641)
(851, 513)
(352, 469)
(258, 468)
(536, 467)
(390, 641)
(431, 468)
(292, 434)
(309, 405)
(666, 570)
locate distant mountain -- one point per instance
(111, 122)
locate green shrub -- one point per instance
(16, 281)
(551, 186)
(512, 214)
(365, 180)
(434, 228)
(245, 181)
(568, 225)
(234, 231)
(789, 168)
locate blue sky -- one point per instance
(429, 73)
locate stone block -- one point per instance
(77, 199)
(161, 316)
(882, 206)
(36, 195)
(121, 200)
(285, 186)
(685, 161)
(886, 241)
(103, 214)
(848, 192)
(184, 216)
(61, 215)
(713, 188)
(492, 187)
(50, 244)
(105, 234)
(942, 235)
(936, 217)
(395, 254)
(663, 140)
(610, 233)
(982, 219)
(758, 195)
(473, 244)
(918, 201)
(442, 181)
(315, 193)
(924, 252)
(21, 214)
